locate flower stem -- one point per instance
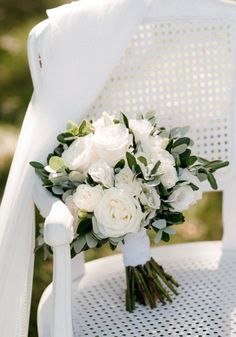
(146, 284)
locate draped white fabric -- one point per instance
(82, 43)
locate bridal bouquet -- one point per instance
(120, 178)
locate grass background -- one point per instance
(17, 17)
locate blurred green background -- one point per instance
(17, 17)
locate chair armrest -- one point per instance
(58, 229)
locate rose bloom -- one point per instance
(80, 154)
(182, 198)
(125, 180)
(102, 173)
(141, 128)
(154, 146)
(87, 197)
(117, 214)
(112, 142)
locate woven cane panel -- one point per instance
(206, 305)
(183, 70)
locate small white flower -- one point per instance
(80, 154)
(125, 180)
(112, 142)
(87, 197)
(105, 120)
(181, 198)
(117, 214)
(185, 174)
(102, 173)
(168, 175)
(149, 197)
(154, 147)
(141, 128)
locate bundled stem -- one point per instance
(148, 283)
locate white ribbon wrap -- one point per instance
(136, 249)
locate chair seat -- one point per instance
(205, 306)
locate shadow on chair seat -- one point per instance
(206, 305)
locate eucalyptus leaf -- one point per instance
(79, 244)
(91, 240)
(180, 148)
(125, 120)
(212, 180)
(158, 236)
(57, 163)
(170, 231)
(160, 224)
(143, 160)
(36, 165)
(57, 190)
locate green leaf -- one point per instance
(79, 244)
(194, 187)
(85, 128)
(120, 164)
(212, 180)
(165, 237)
(155, 168)
(36, 165)
(82, 127)
(169, 146)
(184, 158)
(57, 163)
(182, 140)
(173, 217)
(57, 190)
(73, 127)
(143, 160)
(131, 160)
(125, 120)
(217, 164)
(85, 226)
(153, 182)
(170, 231)
(158, 237)
(192, 160)
(179, 149)
(160, 224)
(203, 160)
(91, 240)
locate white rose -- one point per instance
(185, 174)
(149, 197)
(105, 120)
(112, 142)
(117, 214)
(141, 128)
(181, 198)
(87, 197)
(102, 173)
(73, 210)
(125, 180)
(80, 154)
(168, 175)
(154, 147)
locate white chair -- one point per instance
(180, 63)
